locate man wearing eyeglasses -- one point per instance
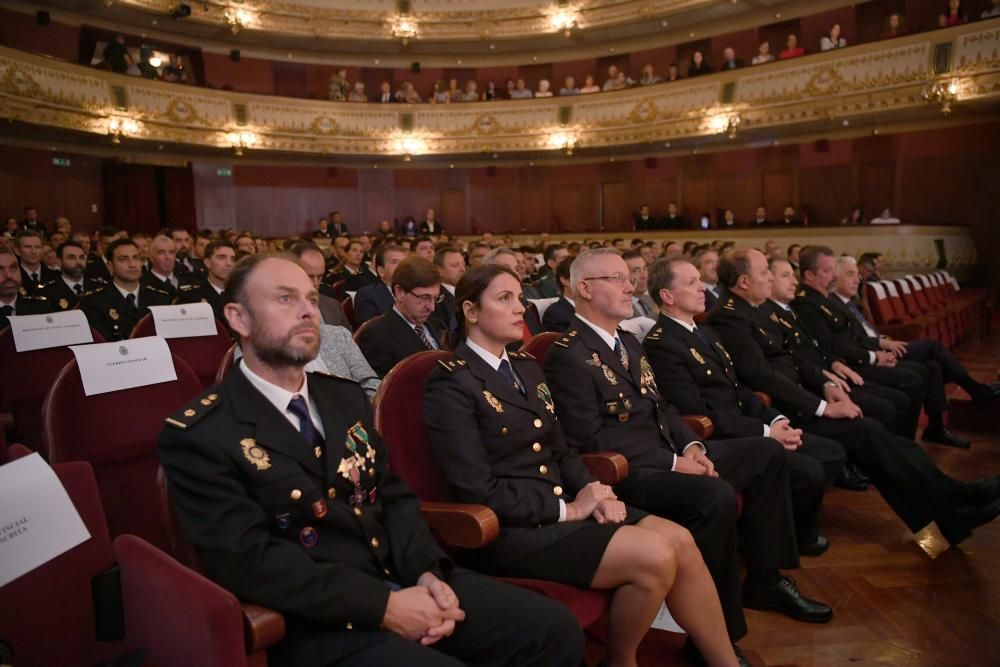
(407, 328)
(607, 399)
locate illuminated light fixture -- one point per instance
(241, 140)
(121, 126)
(727, 124)
(938, 92)
(564, 141)
(564, 19)
(238, 18)
(155, 61)
(408, 146)
(404, 28)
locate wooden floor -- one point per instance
(892, 604)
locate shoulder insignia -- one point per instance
(22, 292)
(520, 354)
(156, 289)
(565, 341)
(188, 288)
(826, 311)
(655, 334)
(453, 364)
(190, 414)
(801, 293)
(92, 292)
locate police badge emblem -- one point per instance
(255, 454)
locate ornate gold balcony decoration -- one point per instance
(241, 140)
(944, 93)
(238, 18)
(122, 126)
(404, 28)
(563, 19)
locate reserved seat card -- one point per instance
(127, 364)
(184, 320)
(38, 332)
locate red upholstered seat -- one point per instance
(116, 432)
(883, 315)
(539, 344)
(364, 326)
(202, 353)
(348, 305)
(399, 418)
(25, 378)
(226, 363)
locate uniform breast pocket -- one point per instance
(287, 494)
(614, 402)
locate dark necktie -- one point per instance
(621, 352)
(858, 315)
(6, 311)
(701, 336)
(34, 278)
(130, 300)
(78, 288)
(298, 407)
(419, 330)
(508, 373)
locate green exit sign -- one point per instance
(60, 161)
(224, 171)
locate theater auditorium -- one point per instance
(553, 333)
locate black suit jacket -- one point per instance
(648, 223)
(604, 407)
(558, 315)
(710, 299)
(246, 485)
(196, 270)
(425, 228)
(338, 229)
(26, 304)
(61, 297)
(45, 276)
(203, 293)
(96, 268)
(759, 354)
(109, 313)
(833, 327)
(390, 340)
(700, 379)
(809, 359)
(185, 281)
(675, 222)
(731, 64)
(446, 313)
(372, 300)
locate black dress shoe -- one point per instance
(942, 436)
(852, 479)
(818, 548)
(695, 657)
(989, 393)
(982, 490)
(784, 597)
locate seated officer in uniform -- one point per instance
(695, 373)
(281, 485)
(66, 291)
(496, 439)
(377, 298)
(114, 310)
(931, 503)
(219, 260)
(607, 399)
(163, 272)
(15, 300)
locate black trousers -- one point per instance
(890, 406)
(942, 368)
(504, 625)
(707, 506)
(912, 485)
(811, 469)
(909, 378)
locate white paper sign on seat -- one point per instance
(184, 320)
(126, 364)
(37, 518)
(39, 332)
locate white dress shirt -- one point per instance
(280, 398)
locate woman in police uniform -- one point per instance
(496, 439)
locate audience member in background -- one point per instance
(115, 309)
(14, 300)
(894, 27)
(764, 54)
(358, 93)
(612, 81)
(161, 274)
(729, 60)
(589, 86)
(34, 274)
(672, 248)
(324, 230)
(954, 15)
(728, 218)
(707, 263)
(645, 221)
(311, 259)
(476, 253)
(201, 241)
(49, 258)
(649, 77)
(245, 245)
(760, 218)
(454, 92)
(56, 239)
(409, 226)
(422, 246)
(521, 91)
(887, 218)
(339, 86)
(504, 257)
(451, 265)
(10, 228)
(623, 81)
(870, 266)
(857, 217)
(219, 260)
(832, 40)
(439, 94)
(698, 65)
(674, 219)
(185, 264)
(471, 93)
(491, 93)
(141, 240)
(792, 255)
(642, 302)
(116, 55)
(508, 89)
(548, 286)
(673, 73)
(408, 94)
(353, 270)
(789, 219)
(569, 87)
(993, 11)
(792, 49)
(385, 93)
(430, 226)
(544, 89)
(174, 71)
(560, 313)
(377, 298)
(408, 327)
(31, 222)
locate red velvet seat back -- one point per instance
(226, 363)
(898, 307)
(365, 325)
(879, 305)
(348, 305)
(25, 378)
(539, 344)
(202, 353)
(47, 615)
(399, 418)
(116, 432)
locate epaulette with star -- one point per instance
(157, 289)
(655, 334)
(520, 354)
(567, 340)
(452, 364)
(189, 415)
(730, 304)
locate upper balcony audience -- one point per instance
(792, 49)
(832, 40)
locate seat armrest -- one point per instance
(461, 525)
(764, 398)
(608, 467)
(262, 627)
(701, 425)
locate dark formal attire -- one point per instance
(904, 474)
(649, 222)
(96, 268)
(736, 63)
(446, 312)
(36, 280)
(372, 300)
(309, 521)
(711, 296)
(674, 222)
(62, 296)
(173, 284)
(204, 292)
(603, 406)
(322, 234)
(760, 222)
(339, 229)
(34, 226)
(186, 264)
(354, 281)
(431, 228)
(558, 315)
(545, 287)
(697, 376)
(791, 222)
(113, 315)
(499, 444)
(392, 338)
(23, 304)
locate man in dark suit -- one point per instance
(697, 375)
(354, 270)
(281, 485)
(185, 263)
(378, 298)
(162, 265)
(760, 218)
(220, 258)
(607, 399)
(115, 309)
(65, 292)
(707, 263)
(789, 219)
(547, 286)
(313, 263)
(14, 300)
(937, 508)
(337, 225)
(34, 274)
(430, 226)
(673, 220)
(729, 60)
(31, 222)
(96, 266)
(451, 263)
(405, 329)
(645, 221)
(385, 95)
(558, 316)
(324, 230)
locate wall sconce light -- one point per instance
(408, 146)
(238, 18)
(727, 124)
(563, 20)
(941, 93)
(241, 140)
(120, 126)
(404, 28)
(564, 141)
